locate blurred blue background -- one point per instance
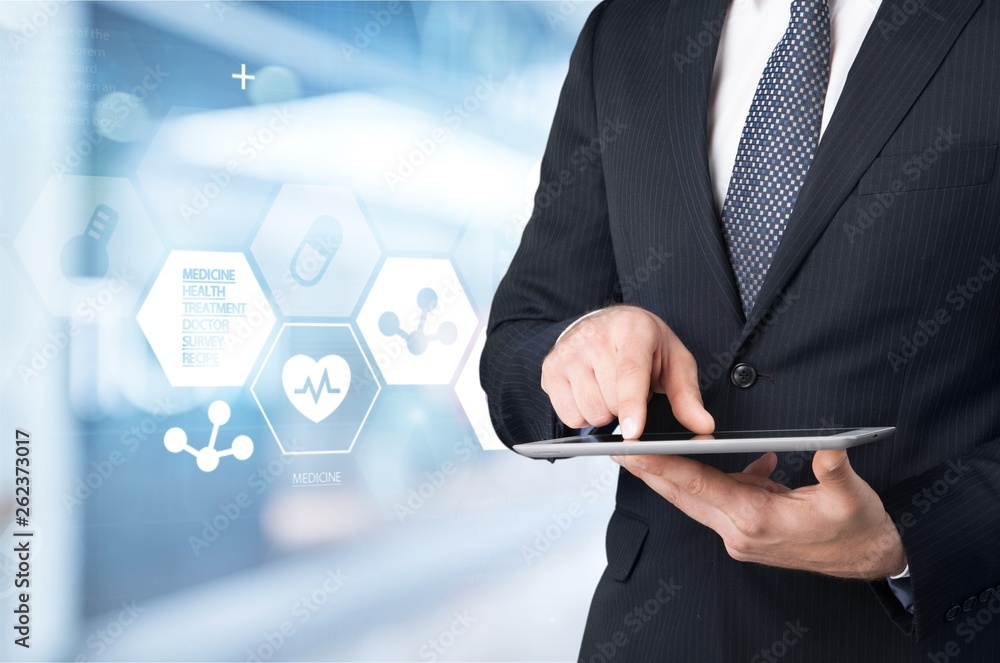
(411, 536)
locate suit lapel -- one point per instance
(897, 58)
(690, 43)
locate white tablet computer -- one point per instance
(753, 441)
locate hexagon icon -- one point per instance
(89, 246)
(212, 189)
(316, 251)
(206, 318)
(315, 388)
(473, 398)
(417, 320)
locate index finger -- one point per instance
(635, 364)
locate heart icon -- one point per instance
(316, 388)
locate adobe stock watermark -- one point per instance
(86, 312)
(449, 291)
(928, 496)
(100, 640)
(230, 511)
(780, 647)
(700, 44)
(101, 470)
(912, 169)
(222, 8)
(633, 622)
(900, 14)
(562, 520)
(310, 265)
(452, 120)
(259, 315)
(247, 151)
(122, 107)
(968, 628)
(364, 34)
(436, 646)
(272, 640)
(956, 299)
(561, 12)
(656, 259)
(721, 361)
(796, 461)
(549, 191)
(434, 481)
(31, 25)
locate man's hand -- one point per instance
(609, 364)
(837, 527)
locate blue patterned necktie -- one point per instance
(777, 146)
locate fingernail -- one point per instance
(628, 428)
(837, 465)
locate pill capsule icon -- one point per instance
(316, 250)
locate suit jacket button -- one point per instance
(952, 613)
(743, 375)
(987, 595)
(969, 603)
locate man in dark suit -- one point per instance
(832, 258)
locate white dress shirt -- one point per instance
(751, 31)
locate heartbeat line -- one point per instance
(316, 392)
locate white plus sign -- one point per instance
(243, 76)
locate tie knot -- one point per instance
(810, 9)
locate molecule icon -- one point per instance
(207, 458)
(418, 340)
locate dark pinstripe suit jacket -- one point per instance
(882, 307)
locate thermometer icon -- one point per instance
(313, 256)
(86, 255)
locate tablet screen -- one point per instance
(718, 435)
(787, 439)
